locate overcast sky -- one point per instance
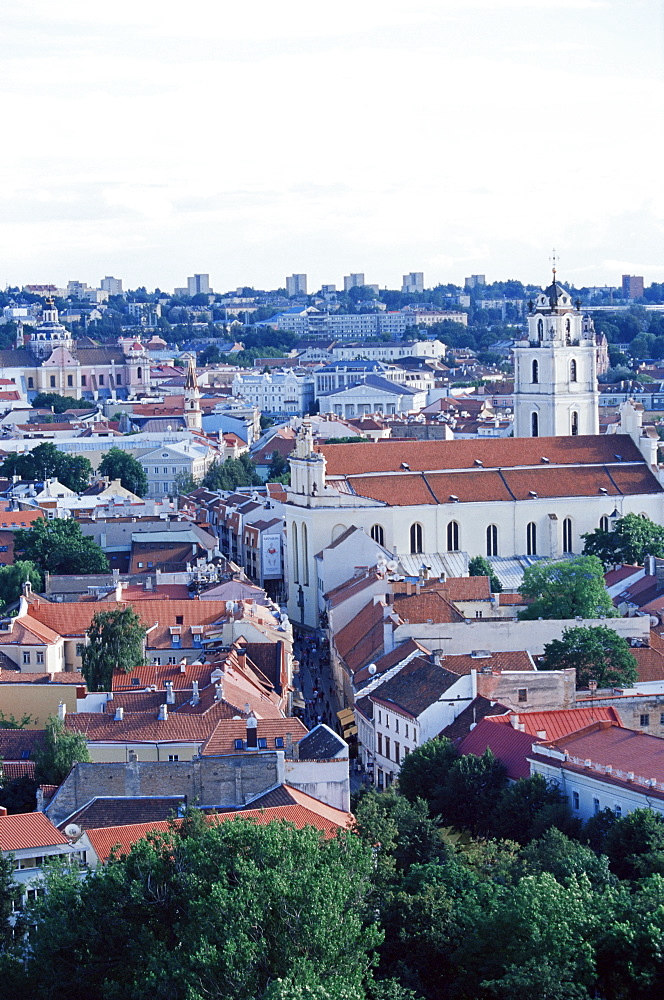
(151, 140)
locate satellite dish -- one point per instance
(372, 668)
(73, 830)
(392, 565)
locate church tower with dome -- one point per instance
(48, 335)
(555, 369)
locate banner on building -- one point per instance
(271, 557)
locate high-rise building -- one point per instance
(354, 281)
(632, 286)
(413, 282)
(200, 283)
(111, 285)
(555, 370)
(474, 281)
(296, 285)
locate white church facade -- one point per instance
(530, 496)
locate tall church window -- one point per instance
(568, 332)
(492, 540)
(567, 535)
(453, 536)
(139, 374)
(575, 423)
(305, 556)
(572, 370)
(531, 539)
(378, 534)
(603, 523)
(296, 556)
(534, 425)
(535, 377)
(416, 538)
(540, 329)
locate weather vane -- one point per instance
(554, 258)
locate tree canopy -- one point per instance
(119, 464)
(597, 653)
(59, 546)
(570, 588)
(60, 403)
(232, 473)
(13, 577)
(634, 538)
(115, 642)
(60, 750)
(47, 462)
(479, 566)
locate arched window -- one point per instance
(575, 423)
(296, 555)
(453, 536)
(568, 332)
(535, 377)
(378, 534)
(139, 374)
(540, 329)
(572, 370)
(492, 540)
(416, 538)
(305, 556)
(567, 535)
(531, 539)
(534, 425)
(604, 523)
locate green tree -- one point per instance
(184, 483)
(279, 470)
(634, 538)
(473, 789)
(119, 464)
(47, 462)
(115, 642)
(226, 912)
(59, 546)
(424, 773)
(232, 473)
(568, 589)
(596, 653)
(60, 750)
(479, 566)
(527, 808)
(60, 403)
(635, 844)
(12, 579)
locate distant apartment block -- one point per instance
(111, 285)
(413, 282)
(475, 280)
(353, 281)
(328, 290)
(632, 286)
(199, 283)
(296, 285)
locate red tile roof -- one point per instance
(222, 739)
(362, 638)
(138, 727)
(510, 746)
(28, 830)
(464, 663)
(427, 606)
(561, 722)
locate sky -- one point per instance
(154, 140)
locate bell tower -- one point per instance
(192, 399)
(555, 369)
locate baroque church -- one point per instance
(48, 359)
(513, 500)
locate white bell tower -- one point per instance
(555, 369)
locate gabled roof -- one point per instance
(362, 638)
(322, 743)
(222, 740)
(559, 723)
(108, 810)
(415, 687)
(427, 606)
(479, 708)
(510, 746)
(28, 830)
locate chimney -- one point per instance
(183, 666)
(27, 589)
(118, 591)
(62, 711)
(3, 811)
(163, 713)
(119, 713)
(219, 691)
(252, 733)
(195, 698)
(133, 757)
(170, 694)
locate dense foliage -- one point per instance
(480, 566)
(119, 464)
(59, 546)
(115, 642)
(60, 403)
(571, 588)
(13, 577)
(59, 751)
(46, 462)
(633, 539)
(232, 473)
(598, 653)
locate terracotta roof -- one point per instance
(60, 677)
(351, 587)
(98, 727)
(146, 676)
(389, 660)
(560, 722)
(29, 631)
(222, 739)
(11, 770)
(497, 453)
(18, 518)
(303, 810)
(622, 573)
(415, 687)
(362, 638)
(26, 830)
(467, 588)
(464, 663)
(510, 746)
(108, 810)
(428, 605)
(19, 744)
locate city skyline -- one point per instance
(450, 138)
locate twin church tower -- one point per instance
(555, 369)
